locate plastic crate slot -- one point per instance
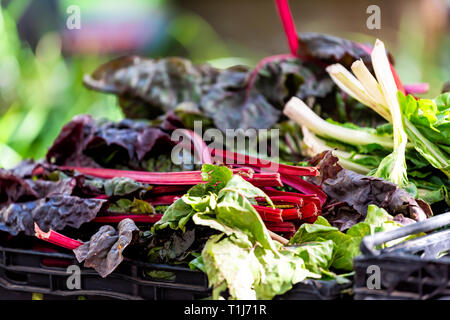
(16, 277)
(55, 263)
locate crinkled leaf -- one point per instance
(148, 88)
(232, 98)
(177, 246)
(331, 49)
(142, 207)
(201, 204)
(13, 188)
(69, 145)
(359, 191)
(216, 176)
(278, 273)
(120, 206)
(345, 244)
(104, 250)
(85, 142)
(341, 216)
(54, 212)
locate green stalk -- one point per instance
(394, 165)
(315, 145)
(298, 111)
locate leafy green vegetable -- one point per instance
(321, 230)
(175, 217)
(121, 186)
(197, 263)
(250, 272)
(316, 255)
(242, 259)
(434, 196)
(121, 206)
(135, 206)
(427, 123)
(344, 246)
(230, 266)
(235, 210)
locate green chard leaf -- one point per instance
(235, 210)
(121, 186)
(175, 217)
(317, 255)
(230, 266)
(427, 123)
(345, 245)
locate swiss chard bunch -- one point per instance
(411, 118)
(385, 151)
(241, 257)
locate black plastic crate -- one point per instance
(416, 269)
(28, 271)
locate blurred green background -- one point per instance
(42, 62)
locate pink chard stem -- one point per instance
(57, 238)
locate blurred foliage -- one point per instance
(416, 61)
(39, 92)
